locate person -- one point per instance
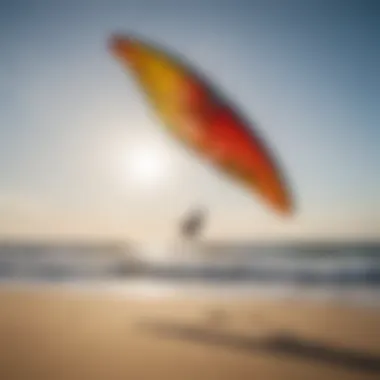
(192, 225)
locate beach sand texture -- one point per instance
(67, 334)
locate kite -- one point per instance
(196, 114)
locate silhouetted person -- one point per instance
(192, 225)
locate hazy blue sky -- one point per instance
(72, 123)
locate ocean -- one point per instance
(328, 272)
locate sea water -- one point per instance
(335, 272)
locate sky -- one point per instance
(81, 154)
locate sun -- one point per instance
(147, 164)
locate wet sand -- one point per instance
(68, 334)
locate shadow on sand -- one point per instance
(279, 344)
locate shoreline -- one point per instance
(132, 290)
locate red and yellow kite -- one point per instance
(197, 115)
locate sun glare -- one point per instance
(147, 164)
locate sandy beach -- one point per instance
(57, 333)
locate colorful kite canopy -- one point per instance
(196, 114)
